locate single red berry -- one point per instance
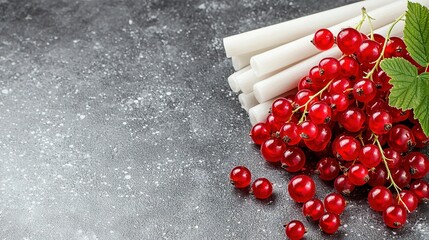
(364, 90)
(421, 189)
(260, 133)
(313, 209)
(380, 198)
(293, 159)
(401, 138)
(379, 38)
(343, 185)
(295, 230)
(339, 86)
(240, 177)
(352, 119)
(302, 97)
(320, 113)
(369, 156)
(335, 203)
(408, 200)
(329, 223)
(305, 83)
(301, 188)
(281, 109)
(328, 168)
(262, 188)
(421, 139)
(401, 177)
(274, 123)
(393, 158)
(307, 130)
(346, 148)
(329, 68)
(289, 134)
(339, 102)
(381, 81)
(418, 164)
(358, 174)
(323, 39)
(322, 139)
(395, 48)
(380, 122)
(350, 68)
(395, 216)
(398, 115)
(317, 80)
(378, 176)
(348, 40)
(368, 52)
(272, 150)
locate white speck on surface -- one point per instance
(127, 176)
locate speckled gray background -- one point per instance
(116, 122)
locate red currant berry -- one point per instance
(408, 200)
(421, 139)
(368, 52)
(323, 39)
(395, 48)
(380, 198)
(393, 158)
(302, 97)
(262, 188)
(401, 138)
(313, 209)
(395, 216)
(350, 68)
(379, 38)
(398, 115)
(240, 177)
(421, 189)
(301, 188)
(320, 113)
(375, 105)
(401, 177)
(260, 133)
(305, 83)
(295, 230)
(358, 174)
(335, 203)
(317, 80)
(346, 148)
(381, 81)
(281, 109)
(274, 123)
(352, 119)
(289, 134)
(272, 150)
(329, 68)
(307, 130)
(369, 156)
(343, 185)
(293, 159)
(380, 122)
(329, 223)
(378, 176)
(364, 90)
(322, 139)
(418, 164)
(339, 86)
(348, 40)
(328, 168)
(339, 102)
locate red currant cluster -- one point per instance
(340, 115)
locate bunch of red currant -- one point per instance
(340, 115)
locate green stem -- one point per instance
(377, 62)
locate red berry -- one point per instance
(328, 168)
(368, 52)
(313, 209)
(302, 97)
(240, 177)
(335, 203)
(370, 156)
(322, 139)
(409, 200)
(289, 133)
(339, 86)
(343, 185)
(339, 102)
(395, 216)
(329, 223)
(281, 109)
(378, 176)
(274, 123)
(401, 138)
(348, 40)
(352, 119)
(379, 38)
(393, 158)
(295, 230)
(329, 68)
(323, 39)
(262, 188)
(395, 48)
(320, 113)
(380, 198)
(358, 174)
(346, 148)
(401, 177)
(418, 164)
(293, 159)
(421, 139)
(421, 189)
(307, 130)
(260, 133)
(380, 122)
(272, 150)
(301, 188)
(364, 90)
(350, 68)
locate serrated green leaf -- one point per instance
(416, 32)
(421, 112)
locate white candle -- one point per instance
(259, 113)
(232, 79)
(247, 79)
(302, 48)
(289, 78)
(247, 100)
(278, 34)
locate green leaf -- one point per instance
(416, 33)
(410, 90)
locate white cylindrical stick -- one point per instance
(281, 33)
(241, 61)
(247, 100)
(302, 48)
(232, 79)
(247, 79)
(260, 112)
(289, 78)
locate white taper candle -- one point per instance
(232, 79)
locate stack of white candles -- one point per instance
(270, 61)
